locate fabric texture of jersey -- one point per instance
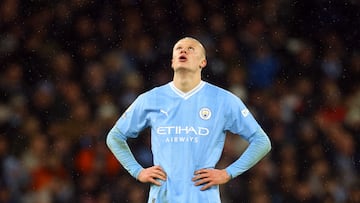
(187, 133)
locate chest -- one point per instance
(192, 113)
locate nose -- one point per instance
(183, 51)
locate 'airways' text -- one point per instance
(182, 139)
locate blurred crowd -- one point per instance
(69, 68)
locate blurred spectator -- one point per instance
(69, 67)
(237, 82)
(13, 175)
(352, 117)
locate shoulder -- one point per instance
(219, 91)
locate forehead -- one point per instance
(187, 42)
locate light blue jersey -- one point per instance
(187, 134)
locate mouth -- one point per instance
(182, 58)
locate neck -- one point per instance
(186, 82)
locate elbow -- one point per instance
(263, 140)
(113, 138)
(268, 144)
(109, 140)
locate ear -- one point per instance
(203, 63)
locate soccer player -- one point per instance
(189, 119)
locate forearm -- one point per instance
(259, 146)
(123, 154)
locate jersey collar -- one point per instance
(186, 95)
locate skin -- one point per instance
(188, 59)
(187, 71)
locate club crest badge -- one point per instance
(205, 113)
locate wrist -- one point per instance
(228, 174)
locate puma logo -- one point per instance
(164, 112)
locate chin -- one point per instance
(180, 68)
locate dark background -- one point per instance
(69, 68)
